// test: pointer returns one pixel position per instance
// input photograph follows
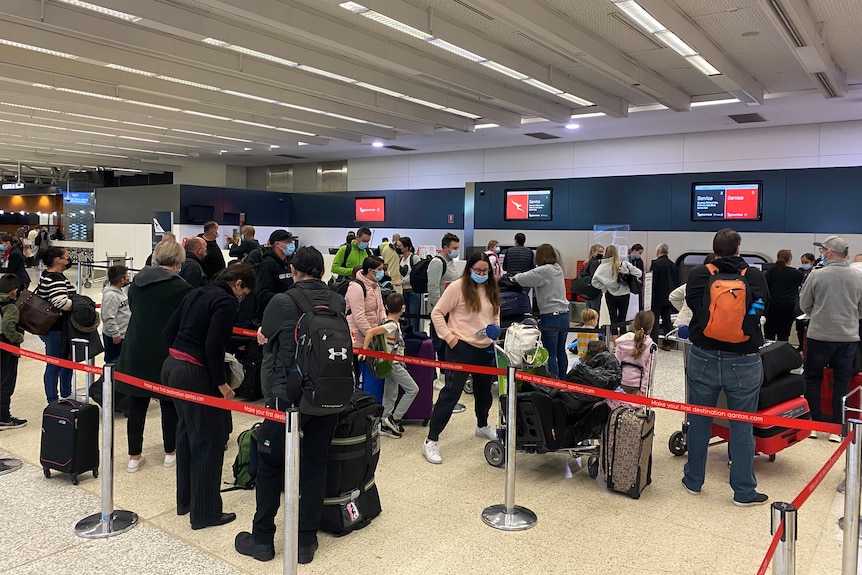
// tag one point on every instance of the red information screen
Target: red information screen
(741, 203)
(370, 209)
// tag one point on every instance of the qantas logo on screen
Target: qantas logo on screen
(516, 207)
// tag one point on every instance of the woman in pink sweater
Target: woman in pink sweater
(471, 302)
(364, 302)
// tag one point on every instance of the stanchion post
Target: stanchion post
(110, 521)
(291, 492)
(784, 562)
(80, 284)
(510, 517)
(850, 550)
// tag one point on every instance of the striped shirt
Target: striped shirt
(57, 289)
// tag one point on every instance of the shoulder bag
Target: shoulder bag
(35, 314)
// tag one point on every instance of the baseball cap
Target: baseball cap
(836, 244)
(281, 236)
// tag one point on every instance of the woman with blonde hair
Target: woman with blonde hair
(610, 278)
(466, 308)
(492, 250)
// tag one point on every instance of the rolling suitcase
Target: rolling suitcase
(770, 439)
(826, 391)
(780, 389)
(351, 500)
(423, 405)
(70, 438)
(626, 451)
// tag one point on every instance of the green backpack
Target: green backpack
(244, 470)
(380, 368)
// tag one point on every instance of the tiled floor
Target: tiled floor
(431, 521)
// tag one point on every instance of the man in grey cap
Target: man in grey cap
(832, 298)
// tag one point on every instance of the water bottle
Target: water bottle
(757, 307)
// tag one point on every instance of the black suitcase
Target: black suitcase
(351, 500)
(70, 438)
(780, 389)
(778, 358)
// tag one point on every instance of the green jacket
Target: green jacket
(9, 324)
(154, 295)
(354, 258)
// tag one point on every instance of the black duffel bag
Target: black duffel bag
(779, 357)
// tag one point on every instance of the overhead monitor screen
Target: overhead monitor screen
(370, 209)
(726, 202)
(533, 205)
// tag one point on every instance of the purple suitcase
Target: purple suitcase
(424, 377)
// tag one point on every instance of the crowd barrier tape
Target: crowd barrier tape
(716, 412)
(803, 497)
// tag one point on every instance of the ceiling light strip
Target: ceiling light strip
(106, 11)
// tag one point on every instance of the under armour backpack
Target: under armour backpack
(419, 274)
(324, 356)
(727, 300)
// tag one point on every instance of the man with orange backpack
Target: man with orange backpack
(727, 299)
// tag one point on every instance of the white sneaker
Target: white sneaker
(135, 464)
(431, 451)
(170, 460)
(834, 438)
(486, 432)
(439, 383)
(812, 435)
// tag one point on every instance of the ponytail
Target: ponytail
(640, 343)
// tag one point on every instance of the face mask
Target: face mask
(477, 278)
(362, 245)
(289, 249)
(378, 275)
(599, 256)
(68, 264)
(637, 256)
(2, 248)
(454, 254)
(399, 251)
(806, 266)
(497, 250)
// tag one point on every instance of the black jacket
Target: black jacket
(273, 277)
(665, 279)
(783, 284)
(698, 280)
(14, 264)
(243, 248)
(192, 271)
(202, 325)
(213, 262)
(602, 372)
(278, 326)
(518, 259)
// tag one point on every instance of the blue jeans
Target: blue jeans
(708, 372)
(595, 303)
(413, 302)
(55, 372)
(840, 355)
(554, 341)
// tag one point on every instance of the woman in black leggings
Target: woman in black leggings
(609, 279)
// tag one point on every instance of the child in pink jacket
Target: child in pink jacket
(632, 350)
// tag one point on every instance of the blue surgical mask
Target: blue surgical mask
(2, 248)
(806, 266)
(454, 254)
(378, 275)
(362, 245)
(477, 278)
(289, 249)
(637, 256)
(497, 250)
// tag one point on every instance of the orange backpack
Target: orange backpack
(729, 299)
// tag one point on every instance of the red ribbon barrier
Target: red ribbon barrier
(802, 498)
(484, 369)
(52, 360)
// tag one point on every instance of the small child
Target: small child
(632, 351)
(590, 319)
(390, 425)
(115, 312)
(11, 334)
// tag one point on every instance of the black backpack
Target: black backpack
(419, 274)
(324, 356)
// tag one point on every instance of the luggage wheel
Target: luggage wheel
(96, 472)
(771, 458)
(593, 466)
(88, 284)
(47, 472)
(495, 455)
(74, 479)
(677, 443)
(468, 387)
(425, 422)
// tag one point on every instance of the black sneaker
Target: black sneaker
(305, 554)
(759, 499)
(388, 431)
(245, 545)
(12, 423)
(392, 424)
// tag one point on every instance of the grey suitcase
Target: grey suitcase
(626, 451)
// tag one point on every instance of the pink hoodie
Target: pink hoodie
(365, 313)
